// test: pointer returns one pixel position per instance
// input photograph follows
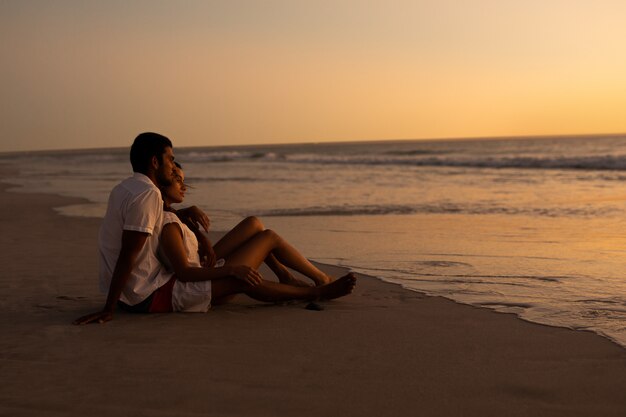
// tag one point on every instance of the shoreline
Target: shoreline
(214, 235)
(384, 350)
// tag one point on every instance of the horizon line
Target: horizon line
(355, 141)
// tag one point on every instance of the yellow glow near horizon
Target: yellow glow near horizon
(214, 73)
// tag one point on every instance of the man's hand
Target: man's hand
(132, 244)
(100, 317)
(194, 216)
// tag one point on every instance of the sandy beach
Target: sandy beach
(382, 351)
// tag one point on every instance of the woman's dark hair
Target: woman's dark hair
(145, 146)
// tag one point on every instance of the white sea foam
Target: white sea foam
(444, 208)
(604, 162)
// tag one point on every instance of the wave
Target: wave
(419, 158)
(197, 180)
(340, 211)
(417, 152)
(442, 208)
(228, 156)
(607, 162)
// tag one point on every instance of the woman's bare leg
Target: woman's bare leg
(241, 234)
(256, 250)
(223, 289)
(282, 273)
(237, 236)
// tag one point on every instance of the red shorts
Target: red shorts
(162, 298)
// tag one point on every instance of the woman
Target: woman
(240, 253)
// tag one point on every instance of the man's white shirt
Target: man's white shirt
(135, 204)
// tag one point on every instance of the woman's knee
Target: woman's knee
(254, 223)
(269, 234)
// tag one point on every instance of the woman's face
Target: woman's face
(175, 193)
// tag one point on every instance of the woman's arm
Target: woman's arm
(192, 217)
(205, 250)
(174, 248)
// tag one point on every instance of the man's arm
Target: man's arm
(132, 244)
(194, 218)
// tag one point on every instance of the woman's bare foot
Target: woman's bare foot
(286, 277)
(323, 281)
(338, 288)
(296, 282)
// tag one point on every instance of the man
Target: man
(129, 234)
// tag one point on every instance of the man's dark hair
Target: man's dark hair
(145, 146)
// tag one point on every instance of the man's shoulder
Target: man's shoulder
(135, 185)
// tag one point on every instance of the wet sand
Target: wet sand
(382, 351)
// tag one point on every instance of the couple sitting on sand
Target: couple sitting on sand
(154, 259)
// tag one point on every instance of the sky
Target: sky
(90, 74)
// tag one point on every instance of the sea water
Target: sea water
(535, 226)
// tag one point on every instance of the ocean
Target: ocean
(530, 226)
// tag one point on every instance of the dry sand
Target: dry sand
(382, 351)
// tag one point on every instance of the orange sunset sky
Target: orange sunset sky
(83, 74)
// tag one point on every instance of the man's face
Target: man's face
(166, 172)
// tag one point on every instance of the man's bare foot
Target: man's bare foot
(338, 288)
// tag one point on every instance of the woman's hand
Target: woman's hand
(247, 274)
